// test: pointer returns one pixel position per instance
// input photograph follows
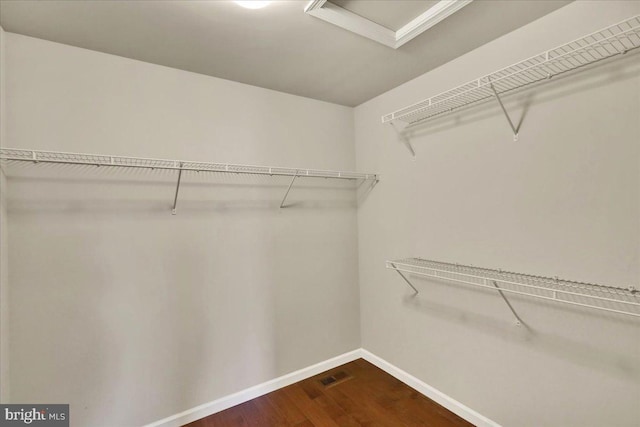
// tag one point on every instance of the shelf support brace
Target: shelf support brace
(504, 110)
(404, 278)
(175, 198)
(404, 140)
(518, 320)
(288, 189)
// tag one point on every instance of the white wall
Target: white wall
(4, 293)
(4, 242)
(131, 314)
(562, 201)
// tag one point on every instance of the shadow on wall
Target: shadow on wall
(364, 189)
(26, 207)
(594, 76)
(536, 332)
(124, 196)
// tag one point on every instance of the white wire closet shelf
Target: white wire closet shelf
(607, 298)
(57, 157)
(36, 156)
(608, 42)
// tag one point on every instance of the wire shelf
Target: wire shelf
(611, 41)
(608, 298)
(35, 156)
(9, 155)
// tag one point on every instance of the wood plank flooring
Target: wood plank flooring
(359, 394)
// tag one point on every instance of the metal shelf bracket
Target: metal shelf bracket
(288, 189)
(404, 140)
(519, 321)
(405, 278)
(175, 198)
(504, 110)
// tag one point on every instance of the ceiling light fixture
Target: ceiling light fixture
(254, 4)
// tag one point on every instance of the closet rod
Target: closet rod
(57, 157)
(614, 40)
(600, 297)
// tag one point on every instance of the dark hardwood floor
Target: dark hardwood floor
(357, 394)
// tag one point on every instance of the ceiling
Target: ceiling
(279, 47)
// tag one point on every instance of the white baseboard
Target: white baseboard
(242, 396)
(436, 395)
(245, 395)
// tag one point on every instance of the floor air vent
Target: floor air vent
(334, 379)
